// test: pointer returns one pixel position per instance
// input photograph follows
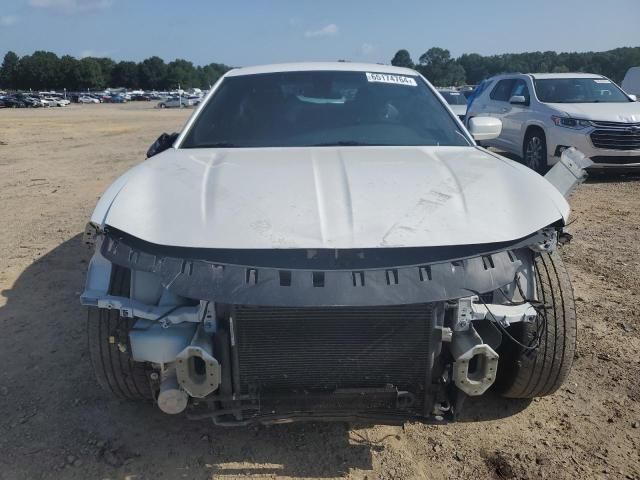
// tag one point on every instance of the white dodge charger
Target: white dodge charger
(327, 241)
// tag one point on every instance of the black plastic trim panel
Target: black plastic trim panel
(268, 286)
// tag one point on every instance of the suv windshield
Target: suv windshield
(578, 90)
(454, 98)
(323, 108)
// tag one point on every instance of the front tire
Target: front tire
(109, 347)
(534, 151)
(529, 373)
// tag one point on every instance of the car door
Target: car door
(514, 116)
(498, 106)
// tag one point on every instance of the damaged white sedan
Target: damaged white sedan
(327, 241)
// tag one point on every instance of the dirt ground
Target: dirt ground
(56, 423)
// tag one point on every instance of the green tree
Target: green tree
(181, 72)
(90, 74)
(440, 69)
(70, 76)
(39, 71)
(152, 73)
(402, 58)
(209, 74)
(106, 67)
(456, 75)
(9, 71)
(125, 74)
(474, 66)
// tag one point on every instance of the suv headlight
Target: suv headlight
(568, 122)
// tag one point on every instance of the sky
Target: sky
(241, 33)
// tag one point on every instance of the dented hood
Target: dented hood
(343, 197)
(628, 112)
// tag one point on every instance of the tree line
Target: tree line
(437, 65)
(47, 71)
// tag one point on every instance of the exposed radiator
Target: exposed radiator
(328, 348)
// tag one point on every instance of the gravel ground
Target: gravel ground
(56, 423)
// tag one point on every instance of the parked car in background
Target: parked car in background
(543, 114)
(191, 100)
(12, 102)
(32, 101)
(115, 99)
(56, 102)
(87, 99)
(456, 100)
(467, 90)
(631, 82)
(45, 101)
(172, 102)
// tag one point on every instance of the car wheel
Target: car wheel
(540, 371)
(109, 347)
(535, 151)
(162, 105)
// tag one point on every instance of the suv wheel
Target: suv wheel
(535, 151)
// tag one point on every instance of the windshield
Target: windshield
(454, 98)
(323, 108)
(579, 90)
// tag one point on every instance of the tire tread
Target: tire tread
(115, 371)
(529, 374)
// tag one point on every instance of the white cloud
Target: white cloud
(71, 6)
(367, 49)
(8, 20)
(93, 53)
(326, 31)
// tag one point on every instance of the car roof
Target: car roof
(321, 66)
(542, 76)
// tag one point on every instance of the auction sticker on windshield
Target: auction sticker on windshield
(386, 78)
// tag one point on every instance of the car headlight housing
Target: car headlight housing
(568, 122)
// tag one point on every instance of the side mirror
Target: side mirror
(164, 142)
(633, 97)
(485, 128)
(518, 100)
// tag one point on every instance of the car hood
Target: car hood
(346, 197)
(607, 112)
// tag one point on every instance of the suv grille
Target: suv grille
(616, 135)
(613, 160)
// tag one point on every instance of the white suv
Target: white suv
(543, 114)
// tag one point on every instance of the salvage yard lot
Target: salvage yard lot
(56, 423)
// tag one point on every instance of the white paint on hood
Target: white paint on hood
(347, 197)
(605, 112)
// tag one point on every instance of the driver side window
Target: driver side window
(502, 90)
(520, 89)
